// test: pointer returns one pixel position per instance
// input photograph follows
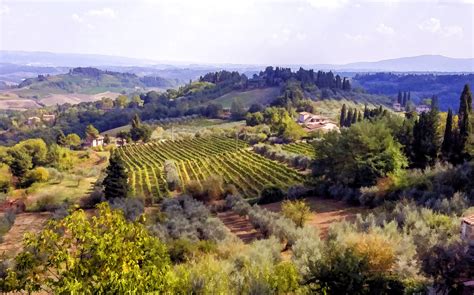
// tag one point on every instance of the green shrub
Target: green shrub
(297, 211)
(46, 203)
(5, 186)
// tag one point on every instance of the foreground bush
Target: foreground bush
(102, 254)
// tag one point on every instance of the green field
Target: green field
(263, 96)
(197, 159)
(189, 126)
(301, 148)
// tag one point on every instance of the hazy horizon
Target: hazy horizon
(242, 32)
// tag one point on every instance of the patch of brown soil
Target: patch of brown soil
(12, 242)
(324, 212)
(239, 226)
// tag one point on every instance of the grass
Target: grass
(75, 184)
(263, 96)
(191, 126)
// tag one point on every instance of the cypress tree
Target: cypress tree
(359, 117)
(404, 99)
(366, 112)
(400, 98)
(342, 120)
(448, 138)
(426, 141)
(348, 121)
(354, 117)
(116, 182)
(409, 96)
(465, 102)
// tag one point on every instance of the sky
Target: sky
(242, 31)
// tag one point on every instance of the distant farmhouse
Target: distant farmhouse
(33, 121)
(311, 122)
(397, 107)
(423, 108)
(49, 118)
(45, 118)
(94, 142)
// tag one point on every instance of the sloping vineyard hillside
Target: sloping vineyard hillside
(199, 158)
(301, 148)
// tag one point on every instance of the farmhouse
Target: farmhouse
(49, 118)
(422, 108)
(312, 122)
(94, 142)
(397, 107)
(467, 229)
(33, 121)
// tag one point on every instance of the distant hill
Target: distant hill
(77, 85)
(90, 81)
(422, 63)
(447, 87)
(49, 59)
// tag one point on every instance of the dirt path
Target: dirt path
(25, 222)
(240, 226)
(324, 212)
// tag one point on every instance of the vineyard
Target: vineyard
(199, 158)
(301, 148)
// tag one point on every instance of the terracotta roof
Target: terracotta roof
(469, 220)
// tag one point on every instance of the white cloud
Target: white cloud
(4, 10)
(104, 12)
(356, 37)
(434, 26)
(327, 3)
(453, 31)
(75, 17)
(385, 30)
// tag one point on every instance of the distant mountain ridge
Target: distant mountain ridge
(421, 63)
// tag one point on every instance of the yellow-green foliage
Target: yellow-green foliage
(38, 174)
(297, 211)
(256, 269)
(102, 254)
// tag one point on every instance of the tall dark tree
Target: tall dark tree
(354, 117)
(342, 119)
(366, 112)
(400, 98)
(116, 182)
(359, 117)
(448, 139)
(463, 141)
(426, 142)
(465, 102)
(348, 120)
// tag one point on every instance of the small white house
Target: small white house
(423, 108)
(94, 142)
(397, 107)
(467, 229)
(33, 120)
(311, 122)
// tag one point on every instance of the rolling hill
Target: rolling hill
(78, 85)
